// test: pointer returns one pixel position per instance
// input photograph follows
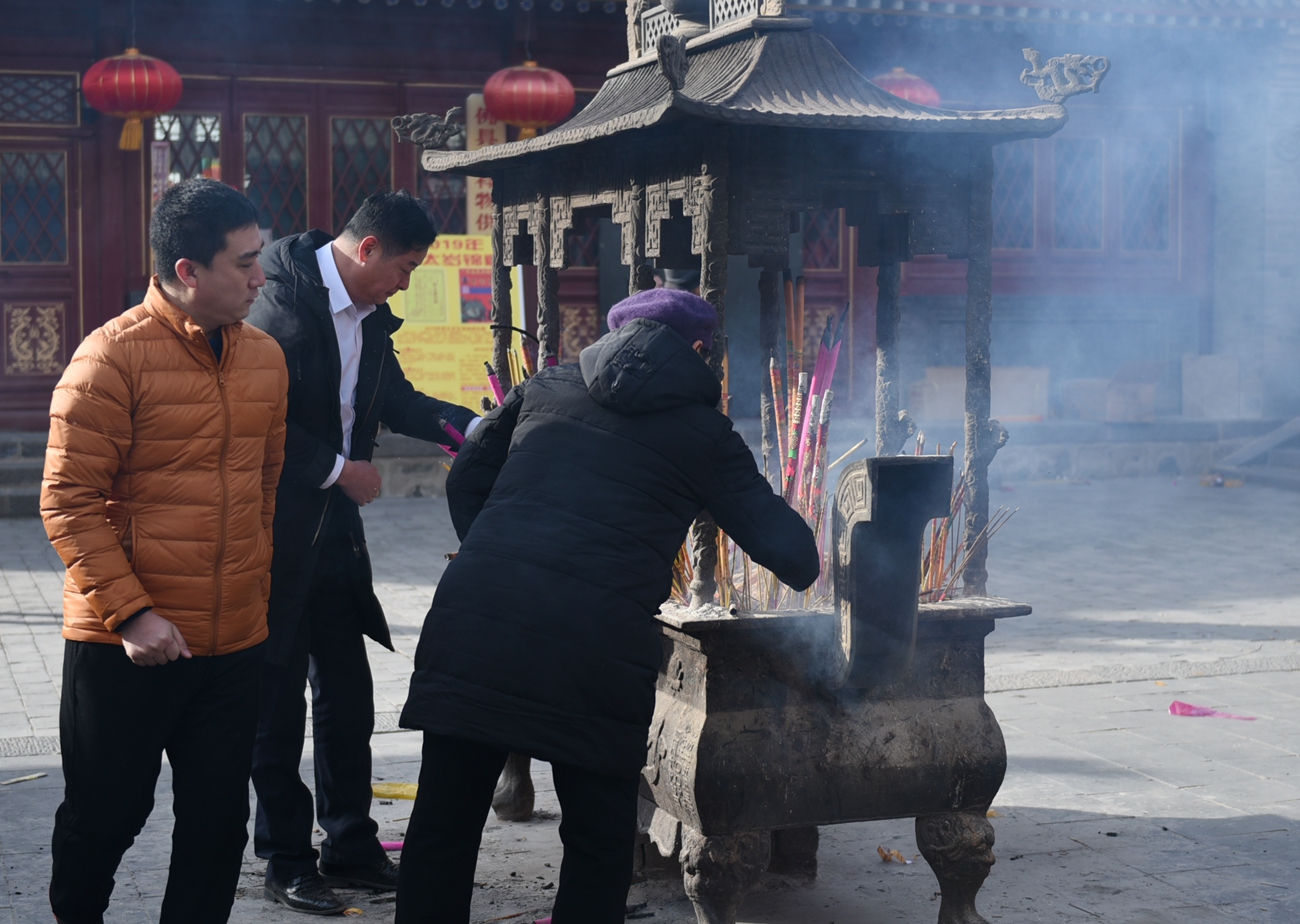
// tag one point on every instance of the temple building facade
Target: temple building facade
(1144, 258)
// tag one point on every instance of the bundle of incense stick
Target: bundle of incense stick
(944, 552)
(801, 408)
(520, 368)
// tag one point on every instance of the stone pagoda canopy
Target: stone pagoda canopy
(757, 71)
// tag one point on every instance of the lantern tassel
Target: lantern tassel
(132, 136)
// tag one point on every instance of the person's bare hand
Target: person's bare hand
(150, 640)
(360, 481)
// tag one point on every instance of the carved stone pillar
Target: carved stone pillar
(959, 848)
(983, 437)
(639, 278)
(548, 285)
(713, 287)
(893, 425)
(718, 871)
(769, 323)
(501, 314)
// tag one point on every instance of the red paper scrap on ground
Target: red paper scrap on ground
(1179, 708)
(391, 845)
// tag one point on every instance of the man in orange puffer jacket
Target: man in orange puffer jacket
(166, 442)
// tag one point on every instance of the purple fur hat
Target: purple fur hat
(690, 316)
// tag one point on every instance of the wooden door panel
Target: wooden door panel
(40, 271)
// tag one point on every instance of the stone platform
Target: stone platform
(1144, 591)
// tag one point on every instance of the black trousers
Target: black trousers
(598, 828)
(330, 652)
(115, 722)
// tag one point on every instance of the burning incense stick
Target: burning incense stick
(796, 423)
(856, 446)
(778, 408)
(805, 448)
(495, 384)
(816, 386)
(818, 479)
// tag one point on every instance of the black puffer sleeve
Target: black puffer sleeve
(479, 462)
(745, 507)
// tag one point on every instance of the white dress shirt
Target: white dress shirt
(347, 327)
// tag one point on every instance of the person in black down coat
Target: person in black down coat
(571, 501)
(326, 303)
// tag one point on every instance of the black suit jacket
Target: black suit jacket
(294, 308)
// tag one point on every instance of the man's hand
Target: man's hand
(150, 640)
(360, 481)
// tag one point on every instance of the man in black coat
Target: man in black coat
(571, 501)
(325, 303)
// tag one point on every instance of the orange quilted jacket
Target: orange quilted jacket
(160, 477)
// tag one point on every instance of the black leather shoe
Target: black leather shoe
(381, 876)
(308, 894)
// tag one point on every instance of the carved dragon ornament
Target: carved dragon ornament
(1063, 77)
(429, 131)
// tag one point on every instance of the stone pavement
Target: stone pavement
(1145, 591)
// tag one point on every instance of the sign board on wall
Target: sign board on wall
(448, 312)
(481, 130)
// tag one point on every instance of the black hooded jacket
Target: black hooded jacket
(294, 308)
(571, 501)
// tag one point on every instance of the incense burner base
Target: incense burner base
(750, 749)
(514, 797)
(959, 848)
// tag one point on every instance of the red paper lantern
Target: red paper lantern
(132, 87)
(528, 96)
(908, 86)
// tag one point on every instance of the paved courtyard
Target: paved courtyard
(1145, 591)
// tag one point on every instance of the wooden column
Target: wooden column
(501, 315)
(983, 437)
(548, 285)
(769, 325)
(713, 288)
(893, 426)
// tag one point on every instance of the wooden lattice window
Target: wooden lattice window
(39, 99)
(1013, 196)
(33, 207)
(195, 142)
(582, 241)
(445, 195)
(1078, 200)
(1146, 195)
(821, 240)
(275, 171)
(362, 156)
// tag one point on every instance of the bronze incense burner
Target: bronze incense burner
(715, 133)
(770, 724)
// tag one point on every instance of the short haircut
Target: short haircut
(191, 221)
(399, 221)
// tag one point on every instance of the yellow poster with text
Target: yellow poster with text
(448, 312)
